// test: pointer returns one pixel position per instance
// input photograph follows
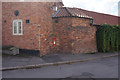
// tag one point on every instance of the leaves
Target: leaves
(108, 38)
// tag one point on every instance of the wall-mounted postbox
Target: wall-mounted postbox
(54, 40)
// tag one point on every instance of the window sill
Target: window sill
(17, 34)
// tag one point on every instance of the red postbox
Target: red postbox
(54, 40)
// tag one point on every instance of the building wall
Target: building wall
(83, 36)
(39, 14)
(75, 35)
(61, 30)
(28, 39)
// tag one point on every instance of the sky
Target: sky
(102, 6)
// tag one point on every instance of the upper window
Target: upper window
(55, 7)
(21, 0)
(27, 21)
(17, 27)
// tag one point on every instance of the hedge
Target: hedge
(108, 38)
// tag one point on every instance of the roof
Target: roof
(70, 12)
(98, 18)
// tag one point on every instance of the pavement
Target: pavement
(100, 69)
(29, 61)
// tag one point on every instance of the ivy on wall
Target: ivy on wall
(108, 38)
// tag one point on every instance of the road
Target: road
(101, 68)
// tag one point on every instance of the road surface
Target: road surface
(101, 68)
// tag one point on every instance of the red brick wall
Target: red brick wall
(26, 40)
(39, 13)
(62, 32)
(83, 35)
(75, 35)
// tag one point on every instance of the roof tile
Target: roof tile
(98, 18)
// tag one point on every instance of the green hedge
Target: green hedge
(108, 38)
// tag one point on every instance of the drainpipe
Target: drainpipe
(39, 36)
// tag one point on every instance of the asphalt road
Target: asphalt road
(101, 68)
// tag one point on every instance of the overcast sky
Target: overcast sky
(102, 6)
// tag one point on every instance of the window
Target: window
(91, 22)
(27, 21)
(55, 7)
(5, 21)
(17, 27)
(56, 21)
(21, 0)
(16, 12)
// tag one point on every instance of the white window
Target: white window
(55, 8)
(21, 0)
(17, 27)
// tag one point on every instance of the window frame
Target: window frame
(17, 21)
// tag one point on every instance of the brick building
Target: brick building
(36, 26)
